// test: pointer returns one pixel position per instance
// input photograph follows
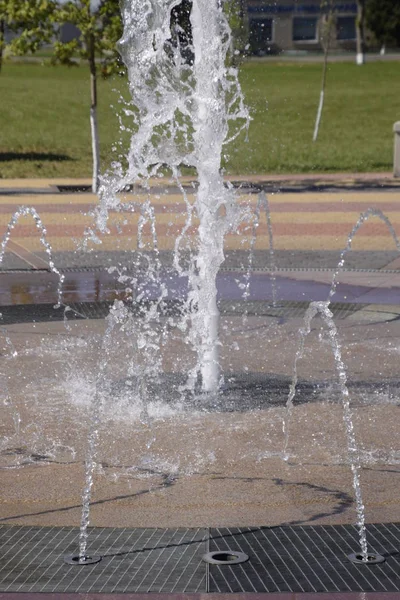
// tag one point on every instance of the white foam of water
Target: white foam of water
(123, 405)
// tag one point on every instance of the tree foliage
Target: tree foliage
(383, 19)
(31, 23)
(328, 22)
(100, 30)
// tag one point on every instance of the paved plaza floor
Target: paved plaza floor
(220, 463)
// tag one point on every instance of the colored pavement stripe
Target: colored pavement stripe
(299, 221)
(174, 229)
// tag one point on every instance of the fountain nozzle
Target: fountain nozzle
(372, 559)
(77, 559)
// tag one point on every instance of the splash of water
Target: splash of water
(24, 211)
(322, 309)
(5, 395)
(182, 114)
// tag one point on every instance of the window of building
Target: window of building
(260, 35)
(346, 28)
(304, 29)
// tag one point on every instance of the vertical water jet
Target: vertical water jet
(183, 103)
(210, 131)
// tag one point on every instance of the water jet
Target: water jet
(160, 388)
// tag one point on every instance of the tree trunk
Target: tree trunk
(319, 114)
(93, 116)
(2, 29)
(360, 30)
(326, 45)
(323, 83)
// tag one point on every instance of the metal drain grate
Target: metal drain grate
(281, 559)
(306, 559)
(134, 560)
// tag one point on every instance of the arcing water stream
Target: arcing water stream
(262, 204)
(363, 218)
(322, 308)
(24, 211)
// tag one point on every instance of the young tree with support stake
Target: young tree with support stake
(360, 32)
(326, 33)
(100, 30)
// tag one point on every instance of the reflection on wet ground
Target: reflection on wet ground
(99, 285)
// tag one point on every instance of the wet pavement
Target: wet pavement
(210, 468)
(40, 287)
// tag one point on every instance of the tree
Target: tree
(100, 29)
(29, 21)
(328, 20)
(360, 32)
(383, 19)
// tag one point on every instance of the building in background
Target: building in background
(295, 25)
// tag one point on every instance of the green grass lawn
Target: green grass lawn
(44, 124)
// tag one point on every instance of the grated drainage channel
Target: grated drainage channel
(306, 559)
(260, 559)
(133, 560)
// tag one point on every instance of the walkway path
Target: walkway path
(302, 221)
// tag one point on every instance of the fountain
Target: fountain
(166, 347)
(183, 112)
(183, 118)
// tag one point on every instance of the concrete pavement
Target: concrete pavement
(207, 467)
(216, 467)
